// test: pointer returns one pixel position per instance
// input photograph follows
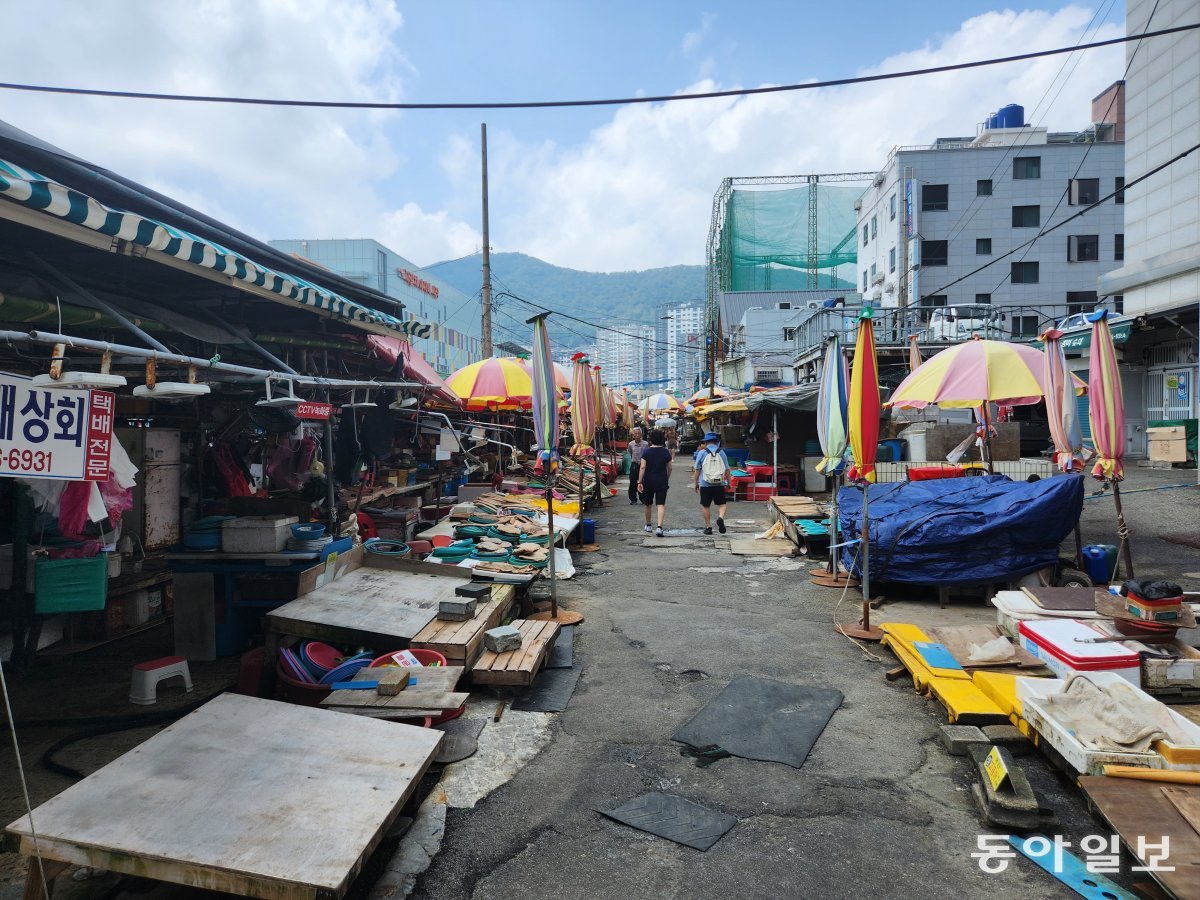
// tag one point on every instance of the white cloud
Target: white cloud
(426, 237)
(693, 40)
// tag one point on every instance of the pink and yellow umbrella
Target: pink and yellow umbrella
(1107, 414)
(862, 422)
(501, 382)
(583, 407)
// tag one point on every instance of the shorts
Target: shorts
(712, 494)
(655, 496)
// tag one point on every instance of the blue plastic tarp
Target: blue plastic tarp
(961, 530)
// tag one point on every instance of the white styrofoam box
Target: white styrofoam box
(1059, 644)
(1014, 607)
(257, 534)
(1032, 693)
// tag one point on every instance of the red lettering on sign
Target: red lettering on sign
(314, 411)
(99, 436)
(414, 280)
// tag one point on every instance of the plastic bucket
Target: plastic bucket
(589, 530)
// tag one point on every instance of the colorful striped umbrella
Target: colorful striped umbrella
(659, 402)
(1061, 409)
(703, 396)
(831, 410)
(626, 410)
(863, 407)
(545, 400)
(501, 382)
(1107, 414)
(914, 354)
(975, 372)
(583, 407)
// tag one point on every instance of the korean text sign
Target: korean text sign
(54, 433)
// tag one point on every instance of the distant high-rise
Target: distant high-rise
(679, 351)
(625, 355)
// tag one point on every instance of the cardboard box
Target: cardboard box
(256, 534)
(1168, 450)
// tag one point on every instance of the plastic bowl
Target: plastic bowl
(322, 656)
(424, 657)
(308, 531)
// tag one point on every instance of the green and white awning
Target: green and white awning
(37, 192)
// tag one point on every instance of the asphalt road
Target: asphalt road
(878, 810)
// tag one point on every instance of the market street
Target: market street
(879, 808)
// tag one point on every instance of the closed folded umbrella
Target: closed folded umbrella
(1107, 414)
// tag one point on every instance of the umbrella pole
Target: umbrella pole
(987, 439)
(1123, 531)
(775, 452)
(553, 543)
(863, 630)
(833, 528)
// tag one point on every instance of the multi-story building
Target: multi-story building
(935, 215)
(453, 341)
(625, 355)
(1160, 275)
(680, 347)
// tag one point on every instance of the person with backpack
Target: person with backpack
(654, 476)
(711, 476)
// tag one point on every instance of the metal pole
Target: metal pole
(987, 439)
(775, 451)
(1123, 531)
(553, 542)
(485, 332)
(833, 526)
(330, 487)
(866, 561)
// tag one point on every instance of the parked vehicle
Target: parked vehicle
(965, 321)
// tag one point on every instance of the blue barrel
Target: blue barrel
(1099, 561)
(589, 531)
(1011, 116)
(992, 121)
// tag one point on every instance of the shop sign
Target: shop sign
(1078, 341)
(53, 432)
(314, 411)
(412, 279)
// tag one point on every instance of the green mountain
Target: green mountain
(605, 298)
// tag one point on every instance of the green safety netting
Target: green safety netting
(766, 239)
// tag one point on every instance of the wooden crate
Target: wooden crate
(517, 667)
(462, 642)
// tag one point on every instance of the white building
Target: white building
(625, 355)
(680, 347)
(1160, 278)
(935, 214)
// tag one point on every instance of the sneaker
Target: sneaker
(720, 525)
(658, 532)
(648, 529)
(708, 531)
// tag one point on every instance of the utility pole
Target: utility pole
(485, 332)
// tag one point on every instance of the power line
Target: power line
(621, 101)
(564, 315)
(1089, 207)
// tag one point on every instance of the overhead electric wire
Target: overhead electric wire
(561, 314)
(616, 101)
(1090, 206)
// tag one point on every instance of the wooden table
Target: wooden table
(432, 695)
(248, 796)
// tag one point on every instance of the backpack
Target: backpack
(713, 468)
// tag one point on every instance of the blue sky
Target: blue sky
(602, 189)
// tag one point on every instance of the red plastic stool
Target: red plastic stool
(147, 675)
(787, 484)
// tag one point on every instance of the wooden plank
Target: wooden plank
(462, 642)
(959, 638)
(1062, 598)
(434, 690)
(1139, 809)
(517, 667)
(762, 548)
(1188, 804)
(281, 772)
(374, 606)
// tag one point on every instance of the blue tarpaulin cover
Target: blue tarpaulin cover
(960, 530)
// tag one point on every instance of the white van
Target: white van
(965, 321)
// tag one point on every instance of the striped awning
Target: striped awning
(36, 192)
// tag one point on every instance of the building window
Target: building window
(928, 303)
(935, 197)
(983, 298)
(892, 206)
(1027, 167)
(874, 270)
(1024, 326)
(1024, 273)
(1119, 186)
(1118, 303)
(874, 226)
(1026, 216)
(983, 246)
(789, 334)
(934, 253)
(1084, 191)
(1118, 247)
(983, 187)
(381, 269)
(1080, 302)
(1083, 247)
(865, 238)
(864, 281)
(892, 260)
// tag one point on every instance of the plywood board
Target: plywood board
(1077, 598)
(959, 638)
(434, 690)
(377, 607)
(752, 547)
(517, 667)
(280, 775)
(462, 642)
(1140, 809)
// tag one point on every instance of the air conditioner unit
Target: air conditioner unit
(889, 287)
(878, 278)
(813, 304)
(858, 205)
(768, 374)
(878, 180)
(876, 295)
(783, 306)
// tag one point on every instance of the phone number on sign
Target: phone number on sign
(26, 460)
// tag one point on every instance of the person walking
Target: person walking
(636, 448)
(710, 468)
(654, 476)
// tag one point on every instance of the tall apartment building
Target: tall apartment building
(454, 339)
(625, 355)
(935, 214)
(679, 329)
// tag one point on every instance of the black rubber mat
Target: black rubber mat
(550, 692)
(755, 718)
(675, 819)
(563, 652)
